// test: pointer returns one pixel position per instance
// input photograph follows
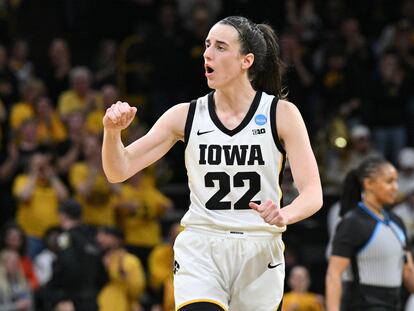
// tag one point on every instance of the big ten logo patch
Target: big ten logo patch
(258, 131)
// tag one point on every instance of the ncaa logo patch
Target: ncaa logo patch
(260, 119)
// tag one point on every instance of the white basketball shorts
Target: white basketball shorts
(239, 271)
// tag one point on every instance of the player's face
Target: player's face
(223, 62)
(384, 185)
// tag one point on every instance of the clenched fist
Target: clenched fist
(119, 116)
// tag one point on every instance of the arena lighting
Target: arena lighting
(340, 142)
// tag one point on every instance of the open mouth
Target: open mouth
(209, 69)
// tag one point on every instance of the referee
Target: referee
(369, 262)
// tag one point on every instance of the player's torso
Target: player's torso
(229, 168)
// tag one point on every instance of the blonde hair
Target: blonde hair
(4, 281)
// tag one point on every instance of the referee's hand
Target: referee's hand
(270, 213)
(119, 116)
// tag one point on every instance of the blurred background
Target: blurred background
(348, 67)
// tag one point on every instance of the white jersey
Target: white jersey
(227, 169)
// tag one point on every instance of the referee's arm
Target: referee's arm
(408, 273)
(333, 281)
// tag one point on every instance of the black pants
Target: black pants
(358, 297)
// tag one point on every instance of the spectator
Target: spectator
(25, 109)
(56, 73)
(361, 146)
(356, 47)
(305, 21)
(390, 96)
(50, 129)
(300, 298)
(169, 32)
(299, 76)
(19, 62)
(201, 19)
(15, 293)
(406, 170)
(69, 151)
(8, 81)
(140, 207)
(43, 262)
(77, 272)
(80, 96)
(26, 144)
(64, 305)
(8, 169)
(13, 238)
(126, 282)
(341, 93)
(38, 192)
(186, 10)
(93, 191)
(110, 94)
(405, 210)
(160, 261)
(105, 64)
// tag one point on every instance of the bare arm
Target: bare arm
(58, 186)
(408, 273)
(64, 162)
(119, 162)
(293, 134)
(333, 282)
(26, 193)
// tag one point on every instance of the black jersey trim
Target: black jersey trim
(274, 126)
(189, 121)
(249, 115)
(201, 304)
(281, 172)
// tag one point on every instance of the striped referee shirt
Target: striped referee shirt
(375, 246)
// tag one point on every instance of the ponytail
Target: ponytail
(260, 40)
(351, 192)
(270, 79)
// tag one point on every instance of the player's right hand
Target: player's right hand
(119, 116)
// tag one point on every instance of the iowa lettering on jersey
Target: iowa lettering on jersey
(230, 155)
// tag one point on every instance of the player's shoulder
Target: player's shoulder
(180, 107)
(177, 112)
(286, 107)
(287, 117)
(184, 107)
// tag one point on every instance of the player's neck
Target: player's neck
(234, 98)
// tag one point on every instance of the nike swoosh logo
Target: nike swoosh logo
(201, 133)
(271, 267)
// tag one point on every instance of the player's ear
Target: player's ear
(247, 60)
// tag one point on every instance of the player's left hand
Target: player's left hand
(271, 213)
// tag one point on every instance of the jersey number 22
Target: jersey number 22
(215, 203)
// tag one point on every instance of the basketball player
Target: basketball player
(237, 138)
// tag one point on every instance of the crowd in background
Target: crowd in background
(348, 68)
